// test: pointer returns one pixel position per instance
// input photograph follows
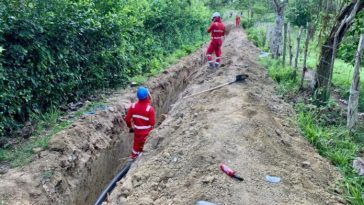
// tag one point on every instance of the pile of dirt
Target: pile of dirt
(244, 125)
(82, 159)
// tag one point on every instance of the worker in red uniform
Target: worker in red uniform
(140, 118)
(237, 20)
(217, 30)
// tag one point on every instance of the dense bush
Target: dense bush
(247, 23)
(299, 12)
(58, 51)
(349, 45)
(257, 36)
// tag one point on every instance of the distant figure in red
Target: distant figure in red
(141, 120)
(217, 30)
(237, 21)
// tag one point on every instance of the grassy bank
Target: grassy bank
(343, 72)
(325, 128)
(48, 124)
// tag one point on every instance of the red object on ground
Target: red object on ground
(230, 172)
(141, 118)
(217, 30)
(227, 170)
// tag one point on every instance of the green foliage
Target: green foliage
(48, 124)
(325, 128)
(246, 23)
(285, 77)
(299, 13)
(58, 51)
(217, 4)
(335, 143)
(349, 45)
(257, 36)
(342, 77)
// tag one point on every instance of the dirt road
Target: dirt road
(244, 125)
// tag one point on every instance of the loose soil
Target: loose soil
(82, 159)
(243, 125)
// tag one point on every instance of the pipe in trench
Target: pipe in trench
(101, 198)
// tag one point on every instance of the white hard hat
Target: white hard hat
(216, 14)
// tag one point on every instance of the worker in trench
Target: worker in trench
(140, 118)
(217, 30)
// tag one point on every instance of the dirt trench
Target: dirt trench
(244, 125)
(82, 159)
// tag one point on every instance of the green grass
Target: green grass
(325, 128)
(258, 36)
(285, 76)
(337, 144)
(343, 72)
(47, 125)
(342, 77)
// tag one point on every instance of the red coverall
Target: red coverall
(141, 114)
(217, 30)
(237, 21)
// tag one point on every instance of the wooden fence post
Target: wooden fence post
(304, 69)
(352, 115)
(284, 44)
(290, 44)
(298, 48)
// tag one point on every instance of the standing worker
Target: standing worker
(141, 120)
(217, 30)
(237, 21)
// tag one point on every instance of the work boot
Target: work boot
(211, 65)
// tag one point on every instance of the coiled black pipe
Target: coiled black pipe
(112, 184)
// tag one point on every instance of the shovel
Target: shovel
(238, 78)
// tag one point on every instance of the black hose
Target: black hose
(112, 184)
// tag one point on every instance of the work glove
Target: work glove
(118, 120)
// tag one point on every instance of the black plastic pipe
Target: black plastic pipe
(112, 184)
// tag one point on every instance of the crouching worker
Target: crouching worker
(140, 118)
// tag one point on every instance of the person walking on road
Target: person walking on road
(140, 118)
(217, 30)
(237, 21)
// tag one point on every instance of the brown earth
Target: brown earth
(82, 159)
(244, 125)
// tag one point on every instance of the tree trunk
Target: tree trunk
(325, 66)
(276, 41)
(284, 44)
(324, 22)
(298, 48)
(352, 115)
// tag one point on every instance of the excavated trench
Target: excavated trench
(244, 125)
(83, 159)
(165, 90)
